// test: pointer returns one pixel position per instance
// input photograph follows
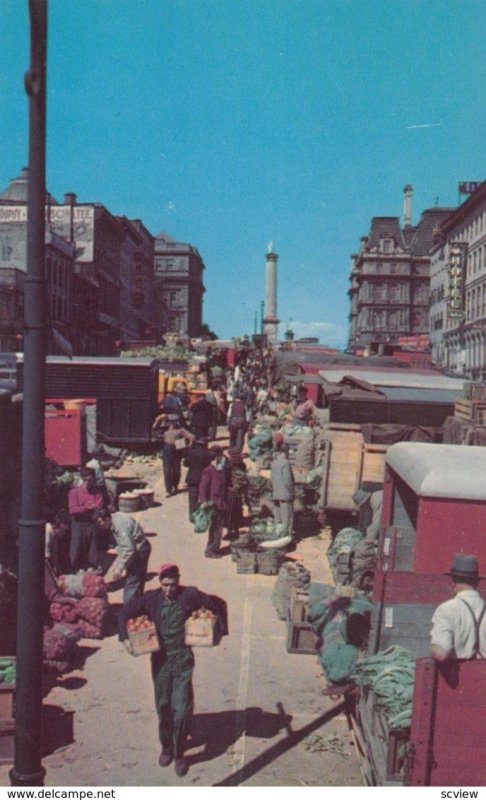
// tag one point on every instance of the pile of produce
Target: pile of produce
(59, 641)
(264, 528)
(7, 671)
(258, 487)
(261, 443)
(92, 613)
(63, 609)
(141, 623)
(342, 624)
(82, 584)
(390, 674)
(202, 614)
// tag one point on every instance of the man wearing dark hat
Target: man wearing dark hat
(172, 666)
(459, 625)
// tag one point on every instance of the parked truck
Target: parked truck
(434, 505)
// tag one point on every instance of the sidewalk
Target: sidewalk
(260, 718)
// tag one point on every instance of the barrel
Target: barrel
(146, 497)
(128, 503)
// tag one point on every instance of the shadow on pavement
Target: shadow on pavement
(57, 728)
(282, 746)
(217, 732)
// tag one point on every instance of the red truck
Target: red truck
(434, 505)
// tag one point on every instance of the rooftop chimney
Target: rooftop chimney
(407, 205)
(70, 199)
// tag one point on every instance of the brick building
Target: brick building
(179, 271)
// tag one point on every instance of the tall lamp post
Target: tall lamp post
(27, 769)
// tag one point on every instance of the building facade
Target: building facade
(179, 271)
(99, 270)
(13, 269)
(142, 314)
(390, 282)
(458, 289)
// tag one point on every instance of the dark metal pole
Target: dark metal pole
(27, 769)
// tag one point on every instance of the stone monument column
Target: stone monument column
(270, 320)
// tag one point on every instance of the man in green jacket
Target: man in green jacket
(172, 666)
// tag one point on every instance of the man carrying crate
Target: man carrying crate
(172, 666)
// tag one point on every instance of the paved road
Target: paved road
(260, 718)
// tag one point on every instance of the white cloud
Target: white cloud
(327, 332)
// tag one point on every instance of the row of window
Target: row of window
(476, 303)
(476, 260)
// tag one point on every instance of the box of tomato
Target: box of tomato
(142, 636)
(201, 629)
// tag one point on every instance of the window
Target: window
(387, 245)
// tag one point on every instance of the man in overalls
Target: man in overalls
(172, 666)
(459, 625)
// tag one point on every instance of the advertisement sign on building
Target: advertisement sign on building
(468, 187)
(454, 300)
(79, 228)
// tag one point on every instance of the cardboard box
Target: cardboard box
(144, 641)
(200, 632)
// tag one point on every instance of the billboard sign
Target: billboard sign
(79, 228)
(468, 187)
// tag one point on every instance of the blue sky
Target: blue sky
(230, 123)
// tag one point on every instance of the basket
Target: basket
(200, 632)
(144, 641)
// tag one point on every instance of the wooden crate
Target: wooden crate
(300, 638)
(200, 632)
(268, 562)
(144, 641)
(246, 564)
(299, 605)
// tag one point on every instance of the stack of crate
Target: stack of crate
(7, 718)
(471, 407)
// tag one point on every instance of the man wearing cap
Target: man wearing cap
(459, 625)
(172, 666)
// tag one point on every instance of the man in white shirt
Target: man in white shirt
(459, 625)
